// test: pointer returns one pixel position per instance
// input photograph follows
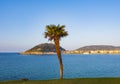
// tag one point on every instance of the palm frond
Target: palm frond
(55, 30)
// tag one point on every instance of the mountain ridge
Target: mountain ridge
(99, 47)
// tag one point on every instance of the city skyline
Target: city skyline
(88, 22)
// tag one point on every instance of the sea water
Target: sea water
(14, 66)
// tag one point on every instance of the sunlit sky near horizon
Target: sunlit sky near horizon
(88, 22)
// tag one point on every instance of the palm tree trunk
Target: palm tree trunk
(57, 46)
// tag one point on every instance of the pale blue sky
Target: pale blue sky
(88, 22)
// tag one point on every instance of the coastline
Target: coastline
(75, 52)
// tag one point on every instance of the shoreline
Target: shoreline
(103, 80)
(83, 53)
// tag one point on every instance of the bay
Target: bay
(14, 66)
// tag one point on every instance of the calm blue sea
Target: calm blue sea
(14, 66)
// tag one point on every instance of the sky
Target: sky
(88, 22)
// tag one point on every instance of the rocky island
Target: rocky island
(45, 48)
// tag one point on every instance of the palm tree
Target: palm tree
(55, 33)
